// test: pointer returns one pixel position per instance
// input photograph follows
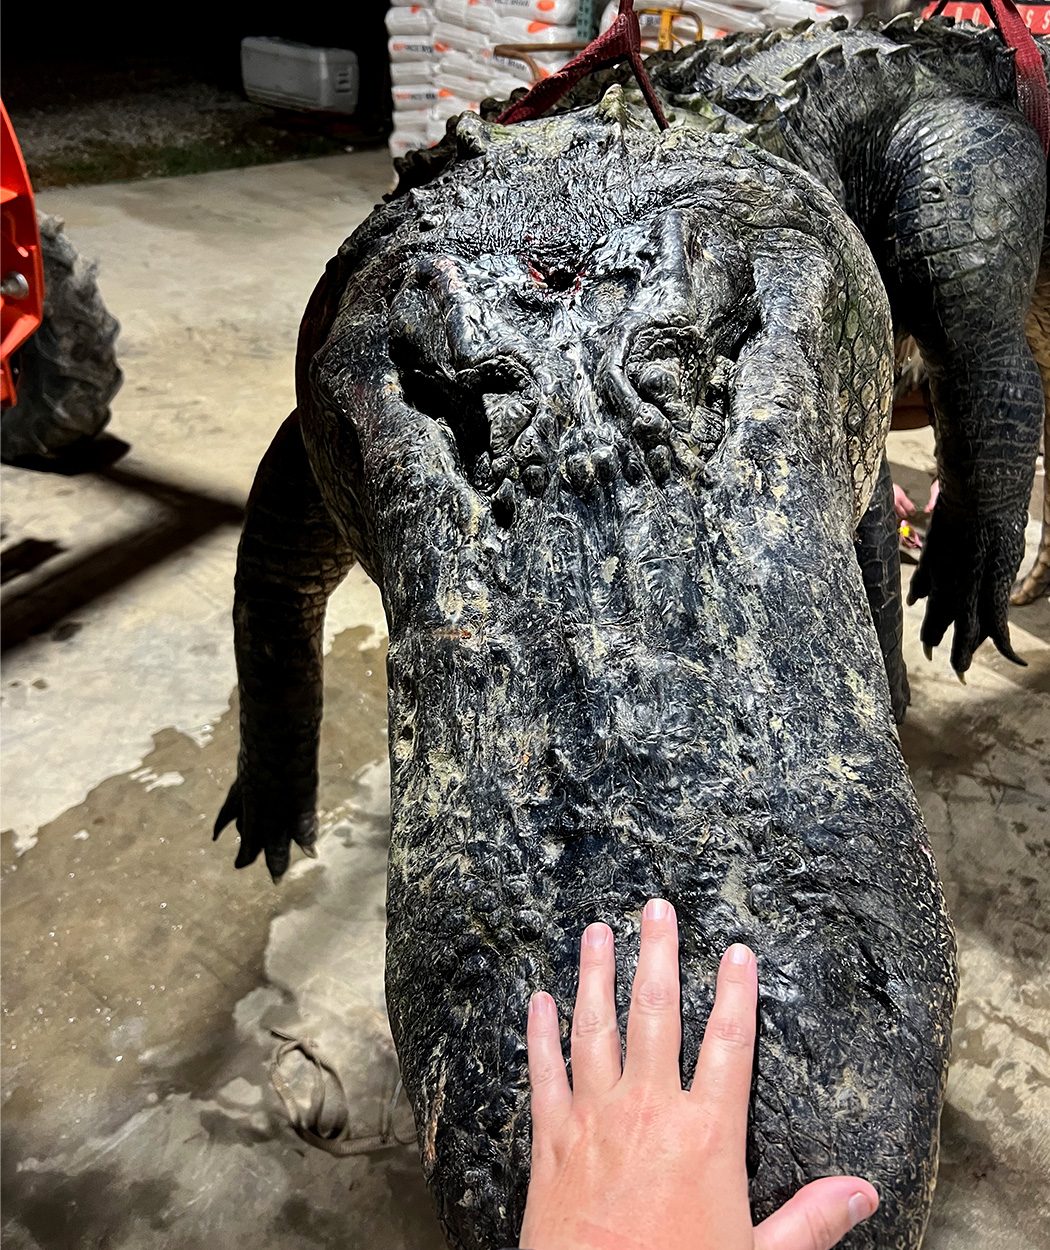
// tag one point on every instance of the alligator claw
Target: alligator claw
(966, 573)
(230, 810)
(268, 828)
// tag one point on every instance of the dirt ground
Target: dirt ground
(80, 122)
(146, 982)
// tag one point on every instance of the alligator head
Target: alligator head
(600, 408)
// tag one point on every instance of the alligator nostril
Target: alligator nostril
(562, 279)
(503, 467)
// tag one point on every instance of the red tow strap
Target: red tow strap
(1032, 92)
(622, 39)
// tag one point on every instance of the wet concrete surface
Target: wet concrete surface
(145, 979)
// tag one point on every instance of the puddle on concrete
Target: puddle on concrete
(142, 976)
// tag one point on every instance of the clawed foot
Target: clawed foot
(966, 572)
(265, 824)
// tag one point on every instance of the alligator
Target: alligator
(577, 397)
(915, 128)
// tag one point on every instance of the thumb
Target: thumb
(819, 1215)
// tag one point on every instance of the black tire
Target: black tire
(67, 371)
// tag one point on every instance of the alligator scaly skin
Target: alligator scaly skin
(914, 127)
(578, 399)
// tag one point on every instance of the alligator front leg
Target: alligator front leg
(291, 557)
(962, 248)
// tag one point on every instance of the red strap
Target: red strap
(622, 39)
(1032, 91)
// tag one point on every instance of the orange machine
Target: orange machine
(21, 262)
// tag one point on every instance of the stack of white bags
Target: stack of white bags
(723, 17)
(441, 61)
(441, 51)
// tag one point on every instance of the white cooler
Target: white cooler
(297, 76)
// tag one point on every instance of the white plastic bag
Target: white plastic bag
(547, 61)
(717, 19)
(788, 12)
(414, 96)
(402, 73)
(559, 12)
(416, 19)
(473, 13)
(467, 88)
(450, 103)
(411, 48)
(403, 141)
(466, 64)
(527, 30)
(501, 85)
(453, 35)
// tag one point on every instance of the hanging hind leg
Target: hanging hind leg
(291, 557)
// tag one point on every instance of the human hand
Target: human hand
(626, 1159)
(902, 505)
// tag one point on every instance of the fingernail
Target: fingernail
(738, 953)
(657, 909)
(860, 1207)
(596, 935)
(541, 1004)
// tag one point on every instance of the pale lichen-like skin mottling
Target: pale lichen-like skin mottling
(579, 403)
(915, 128)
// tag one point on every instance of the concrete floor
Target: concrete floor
(143, 977)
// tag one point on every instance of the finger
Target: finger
(902, 505)
(654, 1025)
(723, 1071)
(819, 1215)
(935, 491)
(551, 1096)
(595, 1034)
